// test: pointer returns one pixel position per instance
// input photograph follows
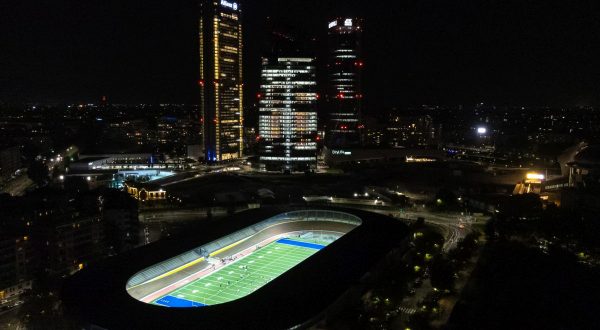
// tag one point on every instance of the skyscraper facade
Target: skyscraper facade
(288, 115)
(344, 91)
(221, 84)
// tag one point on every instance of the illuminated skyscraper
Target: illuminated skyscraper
(288, 115)
(344, 92)
(221, 84)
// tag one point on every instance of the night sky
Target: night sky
(416, 52)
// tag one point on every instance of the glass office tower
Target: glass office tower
(344, 90)
(288, 115)
(221, 84)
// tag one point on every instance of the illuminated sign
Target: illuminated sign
(348, 22)
(228, 4)
(341, 152)
(333, 24)
(535, 176)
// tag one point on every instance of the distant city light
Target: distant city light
(481, 130)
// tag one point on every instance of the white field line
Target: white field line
(198, 275)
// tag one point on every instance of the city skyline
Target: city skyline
(509, 53)
(239, 164)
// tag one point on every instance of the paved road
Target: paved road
(454, 226)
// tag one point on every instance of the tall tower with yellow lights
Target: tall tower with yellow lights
(221, 84)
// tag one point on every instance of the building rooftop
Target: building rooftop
(98, 293)
(588, 156)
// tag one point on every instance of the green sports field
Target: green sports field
(242, 277)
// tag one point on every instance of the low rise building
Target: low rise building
(17, 262)
(145, 191)
(363, 156)
(10, 161)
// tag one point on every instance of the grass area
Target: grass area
(244, 276)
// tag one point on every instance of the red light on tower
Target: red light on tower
(317, 96)
(258, 95)
(201, 83)
(340, 96)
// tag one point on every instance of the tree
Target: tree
(121, 222)
(428, 241)
(527, 206)
(445, 199)
(56, 172)
(442, 273)
(76, 185)
(419, 320)
(490, 229)
(38, 173)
